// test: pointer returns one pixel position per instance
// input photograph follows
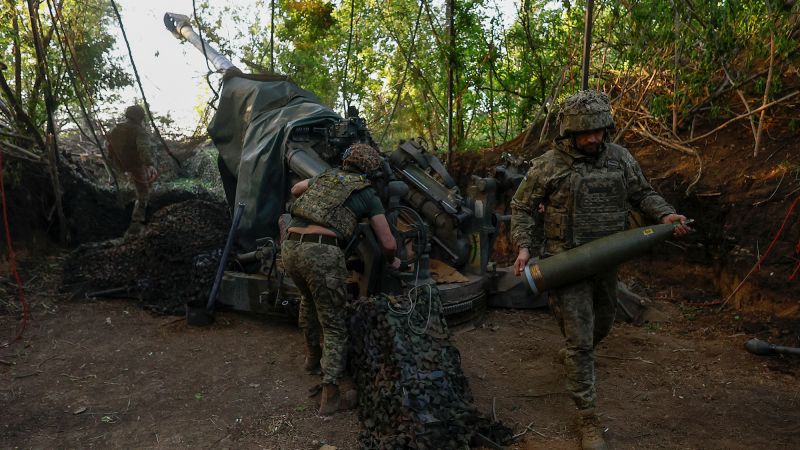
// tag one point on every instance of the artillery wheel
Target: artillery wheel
(464, 302)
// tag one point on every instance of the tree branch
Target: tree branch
(741, 116)
(21, 116)
(766, 90)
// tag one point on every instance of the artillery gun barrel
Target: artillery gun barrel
(304, 163)
(594, 257)
(179, 26)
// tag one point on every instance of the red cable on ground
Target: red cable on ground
(780, 231)
(764, 256)
(794, 274)
(797, 267)
(12, 258)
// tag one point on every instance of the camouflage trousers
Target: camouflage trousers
(319, 272)
(142, 197)
(585, 313)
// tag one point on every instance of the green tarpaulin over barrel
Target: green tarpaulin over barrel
(254, 118)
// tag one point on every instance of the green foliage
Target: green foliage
(82, 35)
(506, 77)
(393, 62)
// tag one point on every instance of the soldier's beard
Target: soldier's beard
(589, 149)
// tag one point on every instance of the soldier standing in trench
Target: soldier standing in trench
(324, 217)
(129, 148)
(586, 186)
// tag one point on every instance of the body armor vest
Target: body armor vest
(323, 203)
(599, 206)
(590, 202)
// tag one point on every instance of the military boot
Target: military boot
(135, 229)
(330, 399)
(313, 356)
(590, 430)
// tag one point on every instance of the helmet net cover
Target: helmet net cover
(135, 112)
(584, 111)
(361, 157)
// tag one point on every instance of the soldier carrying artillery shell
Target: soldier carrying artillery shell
(587, 186)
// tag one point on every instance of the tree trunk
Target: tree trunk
(52, 142)
(21, 117)
(676, 29)
(17, 51)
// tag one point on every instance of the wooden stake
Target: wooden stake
(744, 102)
(766, 92)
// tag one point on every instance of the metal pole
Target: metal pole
(587, 43)
(451, 42)
(272, 36)
(212, 296)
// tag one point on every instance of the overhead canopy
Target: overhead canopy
(254, 118)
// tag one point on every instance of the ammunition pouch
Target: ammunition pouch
(556, 224)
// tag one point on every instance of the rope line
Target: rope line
(12, 258)
(345, 101)
(205, 56)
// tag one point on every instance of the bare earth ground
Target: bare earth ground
(110, 375)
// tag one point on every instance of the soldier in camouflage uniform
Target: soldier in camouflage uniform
(585, 187)
(129, 149)
(324, 218)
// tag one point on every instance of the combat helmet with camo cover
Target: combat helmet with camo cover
(361, 158)
(584, 111)
(135, 113)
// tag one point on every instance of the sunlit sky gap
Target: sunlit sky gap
(173, 75)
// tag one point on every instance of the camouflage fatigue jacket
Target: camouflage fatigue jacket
(577, 211)
(129, 147)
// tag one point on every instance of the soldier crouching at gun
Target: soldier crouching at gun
(324, 218)
(586, 186)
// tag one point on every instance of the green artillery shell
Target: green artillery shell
(594, 257)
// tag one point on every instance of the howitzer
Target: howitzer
(270, 134)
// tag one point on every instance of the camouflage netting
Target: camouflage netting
(202, 171)
(412, 393)
(171, 263)
(95, 211)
